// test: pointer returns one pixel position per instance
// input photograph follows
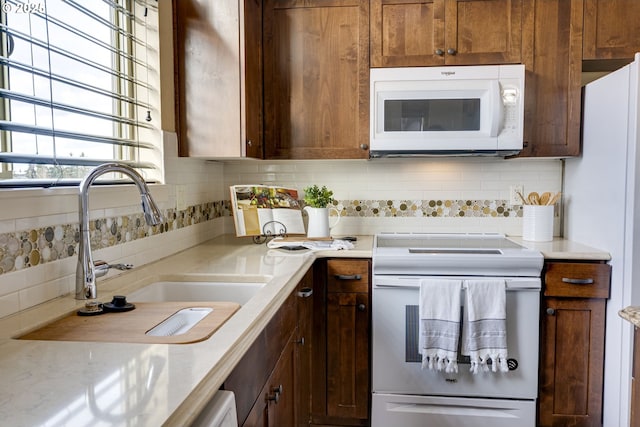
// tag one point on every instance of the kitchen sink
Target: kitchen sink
(173, 309)
(188, 289)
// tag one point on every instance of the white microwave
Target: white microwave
(470, 110)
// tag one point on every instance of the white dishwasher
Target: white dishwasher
(219, 412)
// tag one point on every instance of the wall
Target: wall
(38, 227)
(419, 195)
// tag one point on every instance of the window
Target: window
(77, 89)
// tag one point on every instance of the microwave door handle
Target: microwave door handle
(498, 108)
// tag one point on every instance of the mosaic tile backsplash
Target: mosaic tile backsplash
(33, 247)
(29, 248)
(427, 208)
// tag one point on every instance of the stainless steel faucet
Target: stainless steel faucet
(87, 270)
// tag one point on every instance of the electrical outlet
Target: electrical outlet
(514, 198)
(180, 198)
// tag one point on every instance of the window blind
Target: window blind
(77, 81)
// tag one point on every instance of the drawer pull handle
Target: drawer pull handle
(577, 281)
(348, 277)
(305, 292)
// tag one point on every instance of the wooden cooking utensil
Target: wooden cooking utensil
(524, 201)
(554, 199)
(545, 197)
(533, 198)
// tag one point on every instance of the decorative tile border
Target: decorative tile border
(29, 248)
(428, 208)
(33, 247)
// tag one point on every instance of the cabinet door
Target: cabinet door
(611, 29)
(348, 355)
(276, 405)
(572, 362)
(281, 397)
(553, 63)
(408, 33)
(451, 32)
(316, 66)
(304, 348)
(208, 83)
(483, 32)
(252, 113)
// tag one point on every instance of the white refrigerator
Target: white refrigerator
(602, 210)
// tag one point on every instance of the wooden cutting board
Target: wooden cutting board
(131, 326)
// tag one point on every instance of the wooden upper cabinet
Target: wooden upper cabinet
(611, 29)
(406, 33)
(553, 67)
(218, 93)
(445, 32)
(316, 73)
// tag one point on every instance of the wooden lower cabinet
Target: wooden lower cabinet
(276, 403)
(341, 360)
(572, 344)
(272, 381)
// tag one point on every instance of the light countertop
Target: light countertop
(112, 384)
(632, 314)
(563, 249)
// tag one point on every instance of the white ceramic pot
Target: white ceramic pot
(318, 226)
(537, 223)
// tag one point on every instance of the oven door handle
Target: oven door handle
(417, 286)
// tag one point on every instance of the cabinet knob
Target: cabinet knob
(300, 341)
(364, 146)
(275, 397)
(439, 52)
(305, 292)
(451, 51)
(362, 307)
(249, 143)
(551, 311)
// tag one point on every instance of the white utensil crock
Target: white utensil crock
(537, 223)
(318, 225)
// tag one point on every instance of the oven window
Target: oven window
(419, 115)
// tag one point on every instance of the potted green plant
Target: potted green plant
(318, 201)
(317, 197)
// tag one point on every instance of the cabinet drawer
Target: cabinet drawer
(564, 279)
(347, 275)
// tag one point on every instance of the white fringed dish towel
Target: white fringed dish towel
(485, 330)
(439, 325)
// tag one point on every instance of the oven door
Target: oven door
(396, 362)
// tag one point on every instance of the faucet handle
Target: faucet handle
(101, 268)
(121, 266)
